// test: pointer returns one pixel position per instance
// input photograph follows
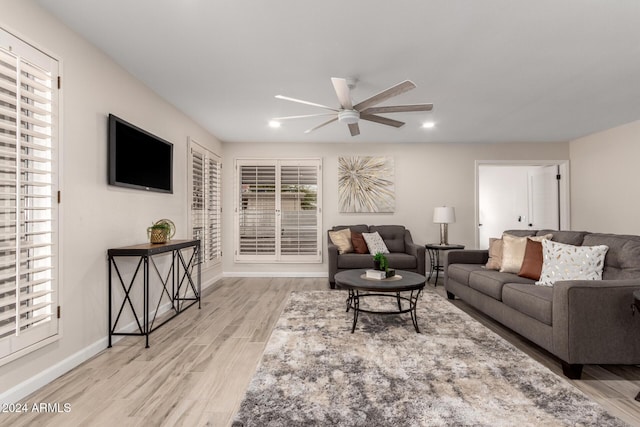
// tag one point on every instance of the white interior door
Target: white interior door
(544, 210)
(516, 196)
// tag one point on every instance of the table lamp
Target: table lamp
(444, 215)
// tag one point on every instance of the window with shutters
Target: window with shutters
(278, 210)
(28, 198)
(206, 211)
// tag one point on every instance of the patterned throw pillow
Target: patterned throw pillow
(513, 251)
(569, 262)
(375, 243)
(342, 239)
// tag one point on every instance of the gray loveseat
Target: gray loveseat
(579, 321)
(404, 254)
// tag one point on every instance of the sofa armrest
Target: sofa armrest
(332, 253)
(465, 256)
(593, 322)
(417, 251)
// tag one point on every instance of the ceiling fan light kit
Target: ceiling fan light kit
(350, 114)
(349, 117)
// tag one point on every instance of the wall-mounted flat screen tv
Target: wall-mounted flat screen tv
(138, 159)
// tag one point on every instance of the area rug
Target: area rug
(455, 372)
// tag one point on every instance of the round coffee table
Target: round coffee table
(359, 286)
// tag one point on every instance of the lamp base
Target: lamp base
(444, 234)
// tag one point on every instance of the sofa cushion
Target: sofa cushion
(495, 254)
(521, 233)
(359, 228)
(393, 236)
(401, 261)
(623, 257)
(359, 245)
(342, 239)
(348, 261)
(513, 248)
(570, 262)
(534, 301)
(375, 243)
(490, 282)
(532, 262)
(569, 237)
(460, 272)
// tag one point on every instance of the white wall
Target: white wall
(95, 216)
(605, 175)
(427, 175)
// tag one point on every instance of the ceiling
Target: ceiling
(495, 70)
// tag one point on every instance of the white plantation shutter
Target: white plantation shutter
(28, 190)
(205, 202)
(278, 210)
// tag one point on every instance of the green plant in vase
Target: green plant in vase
(380, 261)
(161, 231)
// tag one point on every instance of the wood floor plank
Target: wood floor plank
(200, 363)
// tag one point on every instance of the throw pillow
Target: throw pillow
(359, 245)
(532, 262)
(375, 243)
(513, 251)
(569, 262)
(342, 239)
(495, 254)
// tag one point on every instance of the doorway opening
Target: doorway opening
(520, 195)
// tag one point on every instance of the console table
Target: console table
(179, 280)
(434, 249)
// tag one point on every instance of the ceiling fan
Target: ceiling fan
(350, 114)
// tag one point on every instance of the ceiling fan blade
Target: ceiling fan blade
(286, 98)
(303, 116)
(343, 92)
(354, 129)
(322, 124)
(381, 120)
(385, 94)
(398, 109)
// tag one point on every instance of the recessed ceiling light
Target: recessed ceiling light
(274, 124)
(428, 125)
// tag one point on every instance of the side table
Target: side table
(434, 249)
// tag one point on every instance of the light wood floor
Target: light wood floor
(200, 363)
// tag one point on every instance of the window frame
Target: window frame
(16, 345)
(210, 191)
(277, 256)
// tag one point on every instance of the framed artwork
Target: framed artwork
(366, 184)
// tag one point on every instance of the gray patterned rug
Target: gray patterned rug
(456, 372)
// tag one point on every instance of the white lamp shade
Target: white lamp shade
(444, 215)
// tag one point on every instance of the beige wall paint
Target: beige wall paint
(426, 175)
(95, 216)
(604, 179)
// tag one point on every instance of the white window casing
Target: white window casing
(278, 210)
(205, 173)
(29, 114)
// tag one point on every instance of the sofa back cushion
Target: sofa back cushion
(567, 237)
(393, 236)
(623, 257)
(521, 233)
(359, 228)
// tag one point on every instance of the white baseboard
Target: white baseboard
(274, 274)
(25, 388)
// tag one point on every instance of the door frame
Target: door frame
(563, 190)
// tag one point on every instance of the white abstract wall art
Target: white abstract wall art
(366, 184)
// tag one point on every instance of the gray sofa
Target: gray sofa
(579, 321)
(404, 254)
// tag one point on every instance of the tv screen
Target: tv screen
(138, 159)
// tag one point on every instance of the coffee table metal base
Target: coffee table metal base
(353, 303)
